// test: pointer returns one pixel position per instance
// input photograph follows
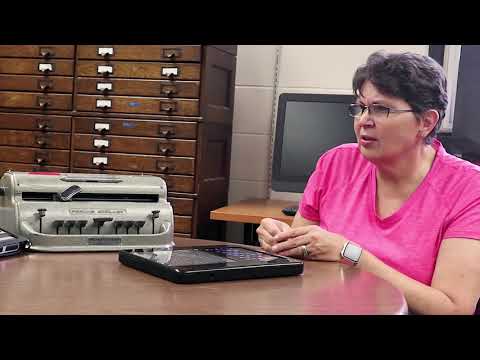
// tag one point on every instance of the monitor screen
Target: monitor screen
(307, 126)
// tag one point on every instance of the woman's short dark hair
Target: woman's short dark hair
(415, 78)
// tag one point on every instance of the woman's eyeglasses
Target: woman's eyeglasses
(378, 111)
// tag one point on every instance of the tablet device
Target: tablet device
(198, 264)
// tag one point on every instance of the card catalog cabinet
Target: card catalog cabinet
(163, 110)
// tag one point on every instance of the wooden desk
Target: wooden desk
(97, 283)
(251, 212)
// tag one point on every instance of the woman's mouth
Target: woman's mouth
(366, 140)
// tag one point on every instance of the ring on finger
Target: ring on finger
(304, 249)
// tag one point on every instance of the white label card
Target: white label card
(105, 51)
(169, 71)
(102, 69)
(45, 67)
(99, 143)
(104, 86)
(100, 160)
(101, 126)
(104, 103)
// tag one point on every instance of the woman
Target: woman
(394, 204)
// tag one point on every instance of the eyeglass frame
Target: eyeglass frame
(364, 107)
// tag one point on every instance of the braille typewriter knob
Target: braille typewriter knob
(100, 221)
(116, 225)
(155, 215)
(69, 224)
(41, 213)
(128, 225)
(138, 225)
(81, 224)
(58, 224)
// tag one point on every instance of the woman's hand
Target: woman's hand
(267, 230)
(309, 242)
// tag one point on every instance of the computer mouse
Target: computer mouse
(290, 210)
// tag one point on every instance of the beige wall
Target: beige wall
(324, 69)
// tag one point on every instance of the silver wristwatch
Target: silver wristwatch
(351, 253)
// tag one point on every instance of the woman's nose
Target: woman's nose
(365, 119)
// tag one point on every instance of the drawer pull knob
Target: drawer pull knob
(41, 161)
(42, 126)
(168, 107)
(166, 133)
(45, 85)
(169, 92)
(165, 166)
(41, 142)
(165, 150)
(172, 53)
(105, 51)
(43, 102)
(46, 52)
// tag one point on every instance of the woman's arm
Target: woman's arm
(455, 287)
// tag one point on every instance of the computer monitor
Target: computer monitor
(307, 126)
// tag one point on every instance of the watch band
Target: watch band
(351, 253)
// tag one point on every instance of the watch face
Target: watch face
(352, 252)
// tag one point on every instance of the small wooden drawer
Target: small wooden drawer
(157, 88)
(57, 84)
(34, 156)
(138, 105)
(5, 166)
(138, 70)
(175, 183)
(136, 145)
(36, 67)
(130, 127)
(38, 139)
(37, 101)
(182, 224)
(45, 123)
(181, 206)
(178, 183)
(38, 51)
(141, 52)
(143, 163)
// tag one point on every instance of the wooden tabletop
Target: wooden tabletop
(97, 283)
(252, 211)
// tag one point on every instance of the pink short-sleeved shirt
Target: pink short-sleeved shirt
(340, 196)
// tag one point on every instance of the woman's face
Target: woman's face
(385, 138)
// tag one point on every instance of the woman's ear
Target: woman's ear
(430, 118)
